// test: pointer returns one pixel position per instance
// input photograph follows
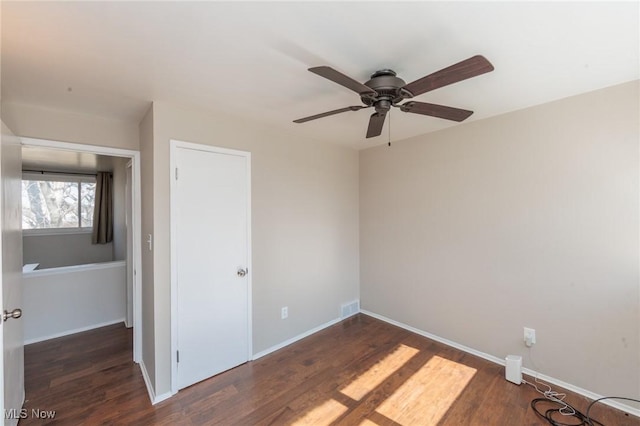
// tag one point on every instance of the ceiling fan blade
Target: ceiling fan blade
(343, 80)
(328, 113)
(375, 124)
(440, 111)
(468, 68)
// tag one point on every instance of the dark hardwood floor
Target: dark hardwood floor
(359, 372)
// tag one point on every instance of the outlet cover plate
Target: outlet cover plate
(529, 336)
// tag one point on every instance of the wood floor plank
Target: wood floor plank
(361, 371)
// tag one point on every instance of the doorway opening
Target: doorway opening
(100, 282)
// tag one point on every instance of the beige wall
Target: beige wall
(64, 126)
(147, 290)
(54, 250)
(526, 219)
(119, 208)
(304, 225)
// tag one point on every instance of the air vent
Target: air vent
(350, 309)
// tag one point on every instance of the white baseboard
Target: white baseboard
(74, 331)
(295, 339)
(147, 381)
(161, 397)
(494, 359)
(437, 338)
(152, 394)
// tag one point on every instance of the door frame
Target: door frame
(174, 145)
(129, 219)
(136, 227)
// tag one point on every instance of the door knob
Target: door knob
(16, 313)
(242, 272)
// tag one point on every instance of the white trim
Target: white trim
(152, 395)
(436, 338)
(494, 359)
(249, 262)
(174, 269)
(37, 232)
(161, 397)
(147, 381)
(74, 331)
(58, 177)
(174, 143)
(74, 268)
(296, 338)
(136, 229)
(2, 203)
(584, 392)
(173, 146)
(134, 156)
(130, 267)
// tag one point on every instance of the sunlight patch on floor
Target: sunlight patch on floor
(427, 395)
(378, 373)
(323, 414)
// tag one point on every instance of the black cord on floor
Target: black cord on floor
(552, 414)
(600, 399)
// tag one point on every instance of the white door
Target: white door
(211, 230)
(11, 300)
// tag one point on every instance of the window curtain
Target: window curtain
(103, 210)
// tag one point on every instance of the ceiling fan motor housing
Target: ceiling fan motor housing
(385, 90)
(388, 88)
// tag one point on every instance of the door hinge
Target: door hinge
(176, 173)
(178, 356)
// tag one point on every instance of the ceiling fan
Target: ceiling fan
(385, 90)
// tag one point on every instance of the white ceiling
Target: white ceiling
(250, 59)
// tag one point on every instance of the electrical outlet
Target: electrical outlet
(284, 314)
(529, 336)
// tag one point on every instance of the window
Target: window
(57, 201)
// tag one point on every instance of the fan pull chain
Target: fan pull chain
(389, 127)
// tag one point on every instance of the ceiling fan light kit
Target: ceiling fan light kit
(386, 90)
